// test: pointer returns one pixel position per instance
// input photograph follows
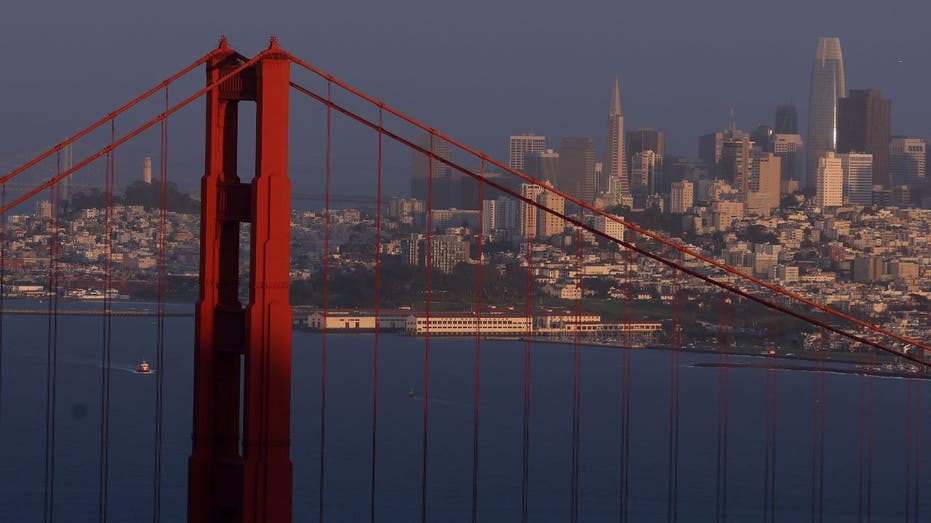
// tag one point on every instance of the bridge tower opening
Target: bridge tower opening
(240, 468)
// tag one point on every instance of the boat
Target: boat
(143, 368)
(411, 394)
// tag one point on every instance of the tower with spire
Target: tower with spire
(614, 171)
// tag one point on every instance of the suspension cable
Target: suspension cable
(723, 408)
(51, 376)
(2, 288)
(626, 360)
(428, 259)
(326, 307)
(104, 482)
(528, 336)
(674, 390)
(160, 329)
(477, 365)
(377, 326)
(576, 382)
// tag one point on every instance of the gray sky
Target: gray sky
(480, 70)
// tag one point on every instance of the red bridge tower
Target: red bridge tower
(244, 354)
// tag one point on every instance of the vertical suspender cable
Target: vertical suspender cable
(326, 303)
(104, 486)
(770, 398)
(160, 329)
(528, 336)
(869, 438)
(576, 382)
(377, 318)
(2, 288)
(861, 447)
(428, 262)
(477, 364)
(908, 448)
(917, 440)
(723, 407)
(626, 361)
(817, 429)
(675, 357)
(52, 350)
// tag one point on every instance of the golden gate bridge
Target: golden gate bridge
(240, 465)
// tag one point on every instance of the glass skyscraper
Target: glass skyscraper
(827, 87)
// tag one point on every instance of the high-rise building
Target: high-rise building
(421, 167)
(765, 180)
(786, 121)
(709, 148)
(858, 178)
(907, 157)
(641, 140)
(447, 251)
(542, 165)
(528, 212)
(548, 223)
(489, 217)
(762, 137)
(615, 159)
(864, 119)
(788, 147)
(608, 226)
(507, 213)
(643, 172)
(829, 181)
(577, 168)
(519, 146)
(682, 197)
(827, 87)
(735, 160)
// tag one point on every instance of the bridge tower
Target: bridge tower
(240, 469)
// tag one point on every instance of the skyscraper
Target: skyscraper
(709, 148)
(682, 196)
(858, 178)
(762, 137)
(542, 165)
(907, 157)
(827, 87)
(642, 140)
(788, 147)
(765, 179)
(577, 168)
(519, 146)
(735, 160)
(528, 212)
(615, 158)
(863, 125)
(829, 181)
(643, 172)
(421, 168)
(786, 121)
(548, 223)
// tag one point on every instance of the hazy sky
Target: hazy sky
(480, 70)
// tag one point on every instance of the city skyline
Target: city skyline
(679, 87)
